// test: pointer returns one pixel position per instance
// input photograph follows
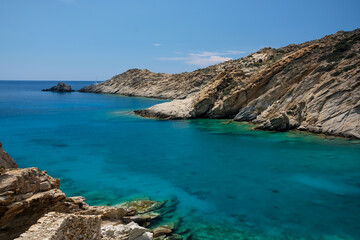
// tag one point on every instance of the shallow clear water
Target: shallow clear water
(230, 182)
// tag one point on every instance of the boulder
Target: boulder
(162, 231)
(60, 226)
(131, 231)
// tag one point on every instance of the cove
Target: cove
(228, 181)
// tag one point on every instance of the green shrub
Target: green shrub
(257, 64)
(342, 46)
(351, 55)
(347, 68)
(337, 73)
(338, 53)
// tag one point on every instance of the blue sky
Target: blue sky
(96, 39)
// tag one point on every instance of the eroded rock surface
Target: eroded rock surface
(314, 86)
(5, 160)
(143, 83)
(31, 205)
(60, 226)
(25, 196)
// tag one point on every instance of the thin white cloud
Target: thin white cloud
(68, 1)
(203, 58)
(208, 60)
(157, 44)
(234, 52)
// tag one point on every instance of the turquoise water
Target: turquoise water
(229, 182)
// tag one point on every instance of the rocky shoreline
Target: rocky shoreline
(33, 207)
(313, 86)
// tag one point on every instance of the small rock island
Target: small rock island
(60, 87)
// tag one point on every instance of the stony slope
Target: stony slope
(314, 86)
(143, 83)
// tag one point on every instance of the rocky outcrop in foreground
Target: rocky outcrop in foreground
(32, 206)
(25, 196)
(314, 86)
(60, 87)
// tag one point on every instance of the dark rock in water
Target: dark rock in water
(60, 87)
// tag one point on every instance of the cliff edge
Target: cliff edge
(313, 86)
(5, 160)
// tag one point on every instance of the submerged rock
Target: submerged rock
(60, 87)
(141, 206)
(162, 231)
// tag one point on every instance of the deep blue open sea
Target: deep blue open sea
(229, 181)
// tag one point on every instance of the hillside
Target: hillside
(314, 86)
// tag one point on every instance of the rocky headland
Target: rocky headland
(33, 207)
(313, 86)
(60, 87)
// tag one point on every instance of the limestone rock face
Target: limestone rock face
(60, 87)
(5, 160)
(143, 83)
(96, 222)
(25, 196)
(129, 231)
(60, 226)
(314, 86)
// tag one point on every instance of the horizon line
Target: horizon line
(52, 80)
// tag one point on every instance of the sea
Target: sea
(223, 179)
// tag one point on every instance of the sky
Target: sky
(96, 39)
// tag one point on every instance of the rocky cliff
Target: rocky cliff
(143, 83)
(313, 86)
(5, 160)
